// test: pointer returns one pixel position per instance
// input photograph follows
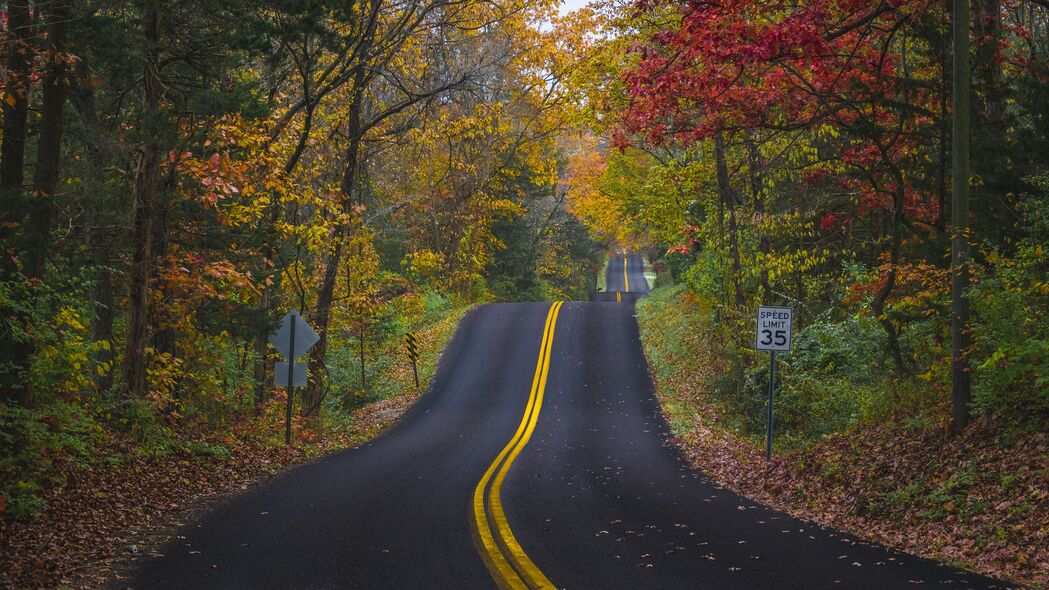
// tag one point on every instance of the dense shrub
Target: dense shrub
(34, 445)
(1010, 327)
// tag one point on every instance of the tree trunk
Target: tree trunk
(270, 291)
(878, 303)
(753, 162)
(36, 234)
(164, 336)
(49, 145)
(313, 394)
(263, 364)
(727, 196)
(16, 110)
(145, 196)
(944, 138)
(361, 343)
(103, 307)
(988, 25)
(13, 363)
(961, 383)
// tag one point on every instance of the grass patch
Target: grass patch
(602, 279)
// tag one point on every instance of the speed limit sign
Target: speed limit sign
(774, 336)
(774, 328)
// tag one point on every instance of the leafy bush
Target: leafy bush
(1011, 336)
(206, 450)
(678, 263)
(703, 276)
(850, 349)
(35, 444)
(138, 418)
(435, 307)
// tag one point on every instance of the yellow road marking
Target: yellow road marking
(506, 560)
(626, 280)
(619, 297)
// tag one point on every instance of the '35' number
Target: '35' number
(773, 337)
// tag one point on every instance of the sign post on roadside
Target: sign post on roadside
(413, 353)
(293, 337)
(773, 335)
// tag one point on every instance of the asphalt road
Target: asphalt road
(625, 278)
(538, 458)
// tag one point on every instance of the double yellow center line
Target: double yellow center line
(507, 562)
(626, 280)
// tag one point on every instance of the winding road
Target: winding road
(538, 458)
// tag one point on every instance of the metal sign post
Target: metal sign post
(773, 335)
(413, 353)
(294, 336)
(291, 381)
(772, 392)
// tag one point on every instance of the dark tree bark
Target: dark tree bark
(370, 57)
(313, 394)
(753, 165)
(729, 198)
(16, 110)
(49, 144)
(263, 362)
(36, 234)
(961, 383)
(145, 197)
(878, 303)
(944, 141)
(988, 28)
(13, 362)
(82, 98)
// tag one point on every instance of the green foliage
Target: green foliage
(678, 264)
(1011, 335)
(206, 450)
(34, 447)
(141, 421)
(51, 318)
(849, 349)
(705, 277)
(836, 376)
(949, 496)
(547, 255)
(513, 273)
(435, 306)
(384, 351)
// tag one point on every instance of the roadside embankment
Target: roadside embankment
(979, 500)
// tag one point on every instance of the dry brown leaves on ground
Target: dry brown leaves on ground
(96, 520)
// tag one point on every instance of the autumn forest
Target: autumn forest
(175, 176)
